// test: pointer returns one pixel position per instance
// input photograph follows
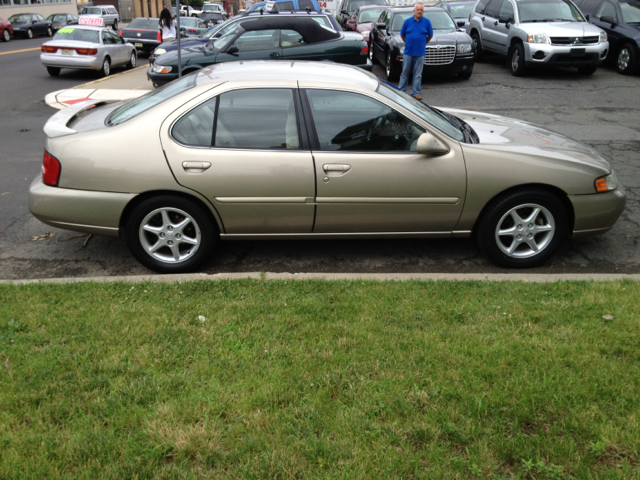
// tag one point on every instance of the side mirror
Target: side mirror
(504, 19)
(381, 26)
(608, 19)
(430, 145)
(232, 50)
(587, 16)
(34, 21)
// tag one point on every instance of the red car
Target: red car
(6, 30)
(363, 19)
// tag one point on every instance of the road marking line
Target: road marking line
(18, 51)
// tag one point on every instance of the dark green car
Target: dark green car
(290, 37)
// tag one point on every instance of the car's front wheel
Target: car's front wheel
(523, 229)
(626, 60)
(170, 234)
(516, 60)
(393, 72)
(49, 32)
(115, 26)
(476, 41)
(372, 57)
(29, 33)
(6, 36)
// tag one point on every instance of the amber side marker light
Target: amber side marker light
(606, 183)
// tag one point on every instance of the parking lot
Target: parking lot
(602, 110)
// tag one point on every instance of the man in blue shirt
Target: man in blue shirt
(416, 33)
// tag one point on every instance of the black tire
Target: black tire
(106, 67)
(393, 72)
(626, 60)
(115, 26)
(199, 228)
(53, 71)
(372, 57)
(29, 33)
(6, 36)
(132, 60)
(547, 229)
(49, 32)
(587, 69)
(516, 60)
(465, 75)
(479, 56)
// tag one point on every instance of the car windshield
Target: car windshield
(227, 36)
(369, 15)
(461, 10)
(92, 11)
(144, 23)
(548, 11)
(190, 22)
(20, 18)
(57, 18)
(356, 4)
(440, 21)
(80, 34)
(630, 12)
(151, 99)
(421, 110)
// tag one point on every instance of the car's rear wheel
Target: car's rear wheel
(132, 60)
(49, 32)
(170, 234)
(106, 67)
(393, 72)
(516, 60)
(372, 57)
(29, 33)
(587, 69)
(6, 36)
(523, 229)
(476, 41)
(626, 60)
(115, 25)
(53, 71)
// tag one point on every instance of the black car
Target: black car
(621, 20)
(28, 25)
(59, 20)
(348, 8)
(448, 52)
(144, 32)
(297, 36)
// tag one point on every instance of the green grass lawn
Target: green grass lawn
(320, 380)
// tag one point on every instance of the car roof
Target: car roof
(311, 31)
(320, 73)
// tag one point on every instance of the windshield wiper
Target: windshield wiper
(469, 134)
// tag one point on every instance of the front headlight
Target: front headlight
(366, 34)
(603, 37)
(538, 38)
(464, 48)
(160, 68)
(159, 51)
(606, 183)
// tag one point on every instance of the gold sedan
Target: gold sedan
(306, 150)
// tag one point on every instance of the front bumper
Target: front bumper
(597, 213)
(546, 55)
(460, 64)
(71, 61)
(77, 210)
(143, 45)
(159, 79)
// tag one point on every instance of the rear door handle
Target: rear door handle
(195, 167)
(333, 167)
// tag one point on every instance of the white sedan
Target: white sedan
(87, 47)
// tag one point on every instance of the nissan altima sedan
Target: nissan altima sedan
(310, 150)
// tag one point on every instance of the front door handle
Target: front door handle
(195, 167)
(495, 24)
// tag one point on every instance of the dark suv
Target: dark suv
(621, 20)
(348, 7)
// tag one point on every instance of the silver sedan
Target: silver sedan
(308, 150)
(86, 47)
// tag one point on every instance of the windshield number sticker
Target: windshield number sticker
(66, 30)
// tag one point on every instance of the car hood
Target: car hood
(187, 55)
(561, 29)
(526, 137)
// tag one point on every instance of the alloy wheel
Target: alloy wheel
(6, 35)
(525, 230)
(169, 235)
(623, 59)
(515, 60)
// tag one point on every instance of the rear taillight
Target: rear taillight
(86, 51)
(365, 50)
(191, 30)
(159, 37)
(120, 32)
(48, 49)
(50, 170)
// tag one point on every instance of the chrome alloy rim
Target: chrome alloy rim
(169, 235)
(515, 59)
(525, 230)
(7, 35)
(133, 60)
(371, 51)
(106, 68)
(388, 66)
(623, 59)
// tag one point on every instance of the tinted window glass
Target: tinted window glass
(106, 38)
(482, 4)
(369, 15)
(630, 12)
(493, 8)
(548, 10)
(507, 9)
(607, 10)
(258, 40)
(440, 21)
(462, 10)
(257, 118)
(149, 24)
(196, 127)
(348, 121)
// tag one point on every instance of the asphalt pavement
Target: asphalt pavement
(602, 110)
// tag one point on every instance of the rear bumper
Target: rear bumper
(143, 45)
(76, 209)
(70, 61)
(596, 214)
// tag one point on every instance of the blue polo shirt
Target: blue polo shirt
(416, 34)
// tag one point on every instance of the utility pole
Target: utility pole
(178, 38)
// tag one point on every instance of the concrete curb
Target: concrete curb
(374, 277)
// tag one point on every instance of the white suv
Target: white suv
(108, 13)
(537, 33)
